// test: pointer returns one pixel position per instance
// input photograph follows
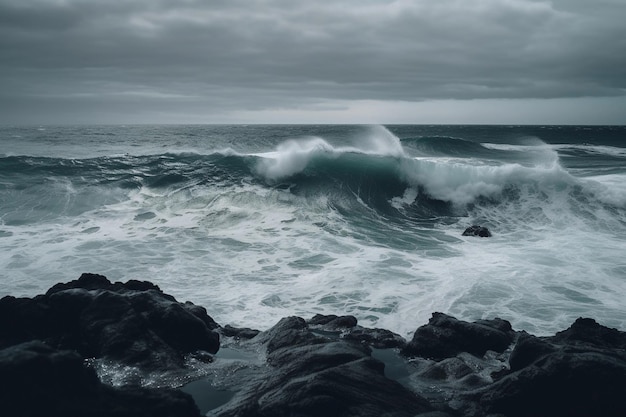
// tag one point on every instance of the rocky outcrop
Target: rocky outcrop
(134, 323)
(350, 330)
(37, 380)
(477, 231)
(327, 365)
(578, 372)
(444, 337)
(315, 375)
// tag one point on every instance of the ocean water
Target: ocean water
(260, 222)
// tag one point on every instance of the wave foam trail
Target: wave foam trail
(461, 183)
(462, 180)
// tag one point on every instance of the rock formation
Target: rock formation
(327, 365)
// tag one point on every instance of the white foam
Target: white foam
(293, 156)
(608, 188)
(462, 182)
(252, 254)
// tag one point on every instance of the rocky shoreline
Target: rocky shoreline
(91, 347)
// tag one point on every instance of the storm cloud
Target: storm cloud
(184, 61)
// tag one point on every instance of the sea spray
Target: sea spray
(260, 222)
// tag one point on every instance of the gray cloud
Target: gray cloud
(97, 58)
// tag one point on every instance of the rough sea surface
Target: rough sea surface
(260, 222)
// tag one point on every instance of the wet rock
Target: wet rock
(451, 368)
(239, 333)
(333, 322)
(477, 231)
(133, 323)
(376, 338)
(528, 349)
(328, 365)
(312, 375)
(586, 331)
(37, 380)
(444, 337)
(562, 384)
(578, 372)
(347, 328)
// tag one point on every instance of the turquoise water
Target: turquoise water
(259, 222)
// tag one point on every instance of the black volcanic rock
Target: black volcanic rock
(586, 331)
(376, 338)
(332, 321)
(528, 349)
(36, 380)
(477, 231)
(350, 330)
(311, 375)
(239, 333)
(444, 336)
(133, 323)
(578, 372)
(328, 365)
(562, 384)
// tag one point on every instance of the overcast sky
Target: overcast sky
(316, 61)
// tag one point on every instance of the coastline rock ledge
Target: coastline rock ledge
(51, 345)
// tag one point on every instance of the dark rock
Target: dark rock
(239, 333)
(562, 384)
(578, 372)
(24, 319)
(36, 380)
(376, 338)
(327, 366)
(444, 337)
(133, 323)
(451, 368)
(527, 350)
(588, 331)
(311, 375)
(477, 231)
(332, 321)
(288, 333)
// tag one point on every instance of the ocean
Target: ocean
(256, 223)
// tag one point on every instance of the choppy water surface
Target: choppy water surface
(259, 222)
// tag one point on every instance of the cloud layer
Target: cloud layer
(218, 58)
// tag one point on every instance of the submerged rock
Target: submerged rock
(477, 231)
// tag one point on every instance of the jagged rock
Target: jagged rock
(133, 323)
(477, 231)
(326, 366)
(239, 333)
(350, 330)
(578, 372)
(311, 375)
(588, 331)
(528, 349)
(376, 338)
(451, 368)
(445, 336)
(36, 380)
(332, 322)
